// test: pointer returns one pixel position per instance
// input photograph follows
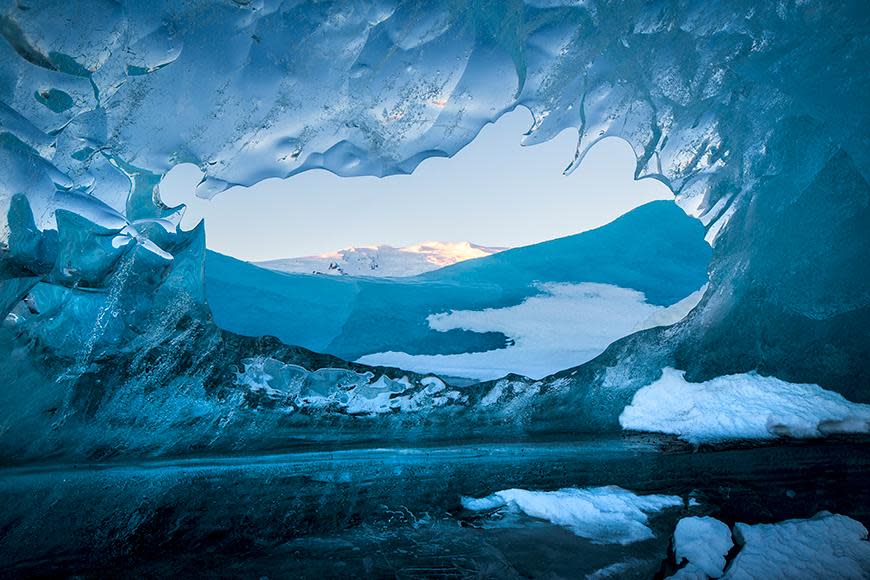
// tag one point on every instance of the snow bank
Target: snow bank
(703, 542)
(825, 546)
(564, 326)
(744, 406)
(605, 515)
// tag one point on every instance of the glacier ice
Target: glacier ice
(746, 406)
(740, 108)
(754, 114)
(562, 327)
(654, 249)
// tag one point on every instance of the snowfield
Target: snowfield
(605, 515)
(564, 326)
(742, 406)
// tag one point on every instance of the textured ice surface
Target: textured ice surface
(703, 543)
(825, 546)
(294, 388)
(562, 327)
(383, 261)
(606, 515)
(755, 115)
(741, 407)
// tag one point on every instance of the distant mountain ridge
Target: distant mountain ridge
(383, 260)
(655, 249)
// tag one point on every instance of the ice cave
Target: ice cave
(681, 392)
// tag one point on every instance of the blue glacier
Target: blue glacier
(138, 434)
(350, 318)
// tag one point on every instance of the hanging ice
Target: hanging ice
(739, 107)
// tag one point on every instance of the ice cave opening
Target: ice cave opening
(169, 410)
(537, 283)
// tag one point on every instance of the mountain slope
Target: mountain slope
(655, 250)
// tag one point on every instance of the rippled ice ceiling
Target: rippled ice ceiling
(756, 115)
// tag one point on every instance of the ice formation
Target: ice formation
(824, 546)
(747, 406)
(740, 108)
(645, 260)
(601, 514)
(756, 115)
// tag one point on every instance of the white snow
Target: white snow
(564, 326)
(703, 542)
(825, 546)
(383, 261)
(604, 515)
(742, 406)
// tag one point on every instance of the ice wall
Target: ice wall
(756, 115)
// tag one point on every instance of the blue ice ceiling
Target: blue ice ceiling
(756, 121)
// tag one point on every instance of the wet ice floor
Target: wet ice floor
(397, 512)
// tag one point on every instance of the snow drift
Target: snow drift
(741, 407)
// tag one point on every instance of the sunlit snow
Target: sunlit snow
(383, 260)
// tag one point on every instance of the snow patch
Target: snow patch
(703, 542)
(564, 326)
(824, 546)
(604, 515)
(742, 406)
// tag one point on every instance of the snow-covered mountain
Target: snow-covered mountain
(532, 310)
(383, 260)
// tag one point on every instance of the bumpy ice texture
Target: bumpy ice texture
(755, 115)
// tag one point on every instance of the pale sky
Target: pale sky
(493, 192)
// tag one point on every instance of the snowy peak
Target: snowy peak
(383, 261)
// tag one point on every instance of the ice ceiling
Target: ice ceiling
(755, 114)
